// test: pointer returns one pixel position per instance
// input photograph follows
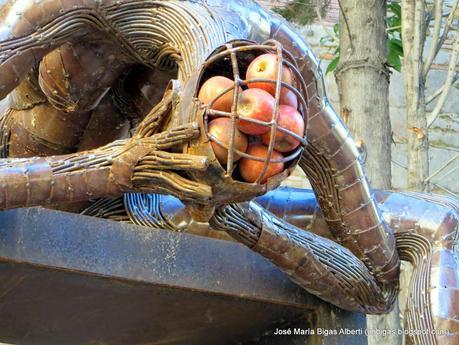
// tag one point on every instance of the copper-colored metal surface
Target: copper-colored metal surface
(75, 77)
(427, 232)
(31, 127)
(105, 125)
(170, 151)
(182, 109)
(321, 266)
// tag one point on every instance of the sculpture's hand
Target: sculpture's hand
(140, 165)
(145, 166)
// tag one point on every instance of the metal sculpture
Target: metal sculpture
(81, 73)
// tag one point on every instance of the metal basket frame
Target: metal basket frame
(285, 58)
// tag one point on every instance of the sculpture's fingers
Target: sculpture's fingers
(151, 123)
(166, 182)
(160, 160)
(140, 159)
(172, 137)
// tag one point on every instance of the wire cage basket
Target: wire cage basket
(239, 54)
(232, 61)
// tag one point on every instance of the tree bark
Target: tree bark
(363, 80)
(413, 31)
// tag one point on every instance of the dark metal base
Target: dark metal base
(71, 279)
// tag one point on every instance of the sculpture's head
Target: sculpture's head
(241, 171)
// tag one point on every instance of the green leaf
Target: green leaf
(336, 28)
(393, 22)
(395, 45)
(395, 62)
(395, 51)
(331, 67)
(395, 8)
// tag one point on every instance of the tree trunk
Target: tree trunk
(363, 81)
(413, 31)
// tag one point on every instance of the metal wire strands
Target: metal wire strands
(154, 211)
(147, 210)
(235, 56)
(108, 208)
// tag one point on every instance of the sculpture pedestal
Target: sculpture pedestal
(71, 279)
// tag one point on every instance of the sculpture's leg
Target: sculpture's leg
(32, 127)
(76, 76)
(41, 129)
(51, 107)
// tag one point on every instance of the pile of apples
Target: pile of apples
(255, 102)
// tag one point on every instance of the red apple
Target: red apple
(288, 97)
(251, 169)
(255, 104)
(289, 118)
(220, 128)
(212, 88)
(265, 67)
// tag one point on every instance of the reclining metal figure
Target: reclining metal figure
(102, 105)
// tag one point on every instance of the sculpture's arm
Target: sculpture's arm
(31, 29)
(125, 165)
(321, 266)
